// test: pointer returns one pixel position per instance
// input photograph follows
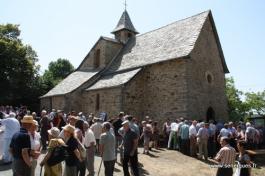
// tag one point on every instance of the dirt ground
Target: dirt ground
(160, 163)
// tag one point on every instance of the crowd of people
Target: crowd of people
(75, 139)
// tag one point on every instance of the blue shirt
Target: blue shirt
(184, 132)
(20, 140)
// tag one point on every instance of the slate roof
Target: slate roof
(70, 83)
(125, 23)
(169, 42)
(114, 80)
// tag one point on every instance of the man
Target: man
(192, 136)
(133, 125)
(89, 143)
(44, 127)
(130, 141)
(117, 124)
(250, 136)
(107, 149)
(184, 135)
(226, 158)
(97, 129)
(202, 139)
(20, 148)
(12, 126)
(173, 135)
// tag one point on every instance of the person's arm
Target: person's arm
(77, 154)
(25, 156)
(219, 155)
(45, 159)
(135, 145)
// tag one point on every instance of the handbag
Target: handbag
(82, 149)
(58, 155)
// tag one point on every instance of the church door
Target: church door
(210, 115)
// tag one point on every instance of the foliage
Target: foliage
(237, 109)
(57, 71)
(19, 71)
(256, 102)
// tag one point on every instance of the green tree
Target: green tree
(237, 109)
(56, 72)
(256, 102)
(19, 72)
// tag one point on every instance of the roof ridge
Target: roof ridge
(207, 11)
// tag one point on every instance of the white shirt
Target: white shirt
(192, 131)
(11, 126)
(97, 129)
(174, 126)
(213, 127)
(89, 137)
(35, 142)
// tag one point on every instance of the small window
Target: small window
(129, 35)
(209, 77)
(97, 102)
(97, 58)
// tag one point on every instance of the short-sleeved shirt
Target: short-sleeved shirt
(203, 133)
(128, 140)
(108, 140)
(72, 145)
(97, 129)
(20, 140)
(226, 155)
(89, 138)
(184, 132)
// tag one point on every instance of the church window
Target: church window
(209, 77)
(97, 58)
(97, 102)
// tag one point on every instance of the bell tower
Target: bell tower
(124, 29)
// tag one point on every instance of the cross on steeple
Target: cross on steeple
(125, 4)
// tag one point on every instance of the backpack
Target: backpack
(58, 155)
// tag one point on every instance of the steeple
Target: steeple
(124, 29)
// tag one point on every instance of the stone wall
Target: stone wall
(110, 101)
(45, 103)
(58, 102)
(108, 50)
(203, 91)
(159, 91)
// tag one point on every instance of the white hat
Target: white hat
(54, 131)
(125, 122)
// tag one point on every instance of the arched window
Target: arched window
(97, 58)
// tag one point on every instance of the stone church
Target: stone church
(176, 70)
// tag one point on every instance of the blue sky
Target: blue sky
(69, 28)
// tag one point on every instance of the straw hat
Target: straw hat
(69, 128)
(27, 119)
(54, 132)
(35, 123)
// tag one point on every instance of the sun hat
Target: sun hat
(69, 128)
(27, 119)
(35, 123)
(54, 131)
(125, 122)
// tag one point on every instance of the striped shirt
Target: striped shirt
(226, 156)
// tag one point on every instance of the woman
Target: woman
(73, 156)
(155, 132)
(243, 159)
(54, 141)
(35, 145)
(80, 134)
(147, 132)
